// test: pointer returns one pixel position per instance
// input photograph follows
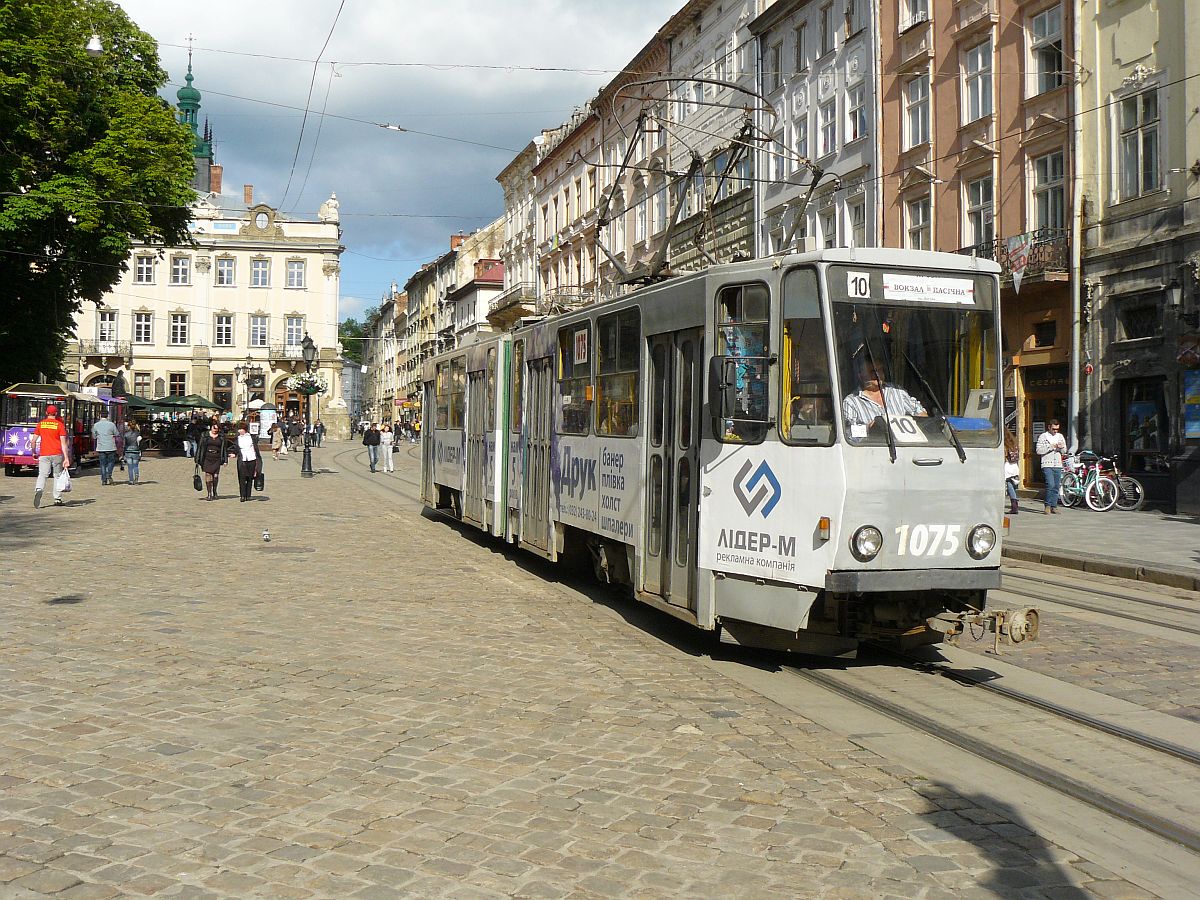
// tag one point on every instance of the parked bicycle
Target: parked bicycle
(1130, 493)
(1084, 480)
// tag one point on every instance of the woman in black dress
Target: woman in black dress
(210, 456)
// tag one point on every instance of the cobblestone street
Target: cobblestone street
(373, 704)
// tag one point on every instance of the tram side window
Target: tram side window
(574, 378)
(742, 325)
(491, 389)
(458, 392)
(442, 391)
(518, 382)
(807, 391)
(618, 340)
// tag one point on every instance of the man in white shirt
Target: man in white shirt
(1052, 447)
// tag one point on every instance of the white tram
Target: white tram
(711, 441)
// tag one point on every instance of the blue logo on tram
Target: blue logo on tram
(749, 497)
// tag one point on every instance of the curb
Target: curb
(1116, 567)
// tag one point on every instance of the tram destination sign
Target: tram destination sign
(927, 289)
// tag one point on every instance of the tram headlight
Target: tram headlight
(866, 543)
(981, 541)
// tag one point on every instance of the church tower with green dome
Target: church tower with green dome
(189, 115)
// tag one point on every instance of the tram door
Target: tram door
(672, 466)
(429, 419)
(535, 485)
(476, 446)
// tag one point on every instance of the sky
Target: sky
(462, 70)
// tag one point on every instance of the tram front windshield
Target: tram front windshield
(916, 357)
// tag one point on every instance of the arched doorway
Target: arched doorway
(101, 379)
(289, 403)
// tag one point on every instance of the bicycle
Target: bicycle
(1083, 480)
(1131, 496)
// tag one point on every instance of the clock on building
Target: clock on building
(223, 381)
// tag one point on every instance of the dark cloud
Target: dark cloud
(386, 180)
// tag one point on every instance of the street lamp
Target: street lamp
(245, 373)
(309, 349)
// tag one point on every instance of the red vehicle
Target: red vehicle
(24, 405)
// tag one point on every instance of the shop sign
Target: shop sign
(1046, 378)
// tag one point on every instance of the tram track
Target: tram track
(1059, 600)
(1048, 755)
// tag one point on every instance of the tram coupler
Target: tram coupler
(1015, 626)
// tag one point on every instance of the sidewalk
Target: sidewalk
(1147, 545)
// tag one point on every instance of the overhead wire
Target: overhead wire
(312, 81)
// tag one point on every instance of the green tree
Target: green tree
(351, 333)
(91, 160)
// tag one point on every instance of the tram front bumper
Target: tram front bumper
(889, 580)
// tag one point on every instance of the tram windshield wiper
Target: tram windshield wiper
(887, 417)
(942, 418)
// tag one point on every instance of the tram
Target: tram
(711, 442)
(23, 405)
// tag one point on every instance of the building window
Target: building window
(260, 273)
(800, 47)
(181, 270)
(913, 12)
(800, 137)
(827, 115)
(258, 331)
(918, 224)
(1138, 148)
(223, 331)
(829, 229)
(179, 329)
(1048, 192)
(916, 112)
(1045, 334)
(295, 273)
(979, 211)
(295, 331)
(978, 86)
(143, 272)
(856, 114)
(106, 325)
(660, 209)
(825, 29)
(857, 210)
(225, 271)
(778, 153)
(1139, 319)
(141, 384)
(719, 67)
(773, 76)
(1047, 49)
(854, 21)
(178, 384)
(143, 328)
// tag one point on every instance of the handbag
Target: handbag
(260, 480)
(62, 484)
(196, 482)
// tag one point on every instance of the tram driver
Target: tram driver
(861, 409)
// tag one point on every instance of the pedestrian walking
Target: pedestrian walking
(387, 440)
(211, 451)
(104, 433)
(52, 447)
(133, 451)
(1012, 479)
(295, 429)
(276, 438)
(371, 442)
(1051, 447)
(249, 460)
(320, 432)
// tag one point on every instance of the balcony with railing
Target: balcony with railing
(287, 353)
(563, 299)
(975, 16)
(521, 292)
(1049, 256)
(107, 350)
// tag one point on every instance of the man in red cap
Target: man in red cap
(52, 446)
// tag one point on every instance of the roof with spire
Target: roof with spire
(189, 109)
